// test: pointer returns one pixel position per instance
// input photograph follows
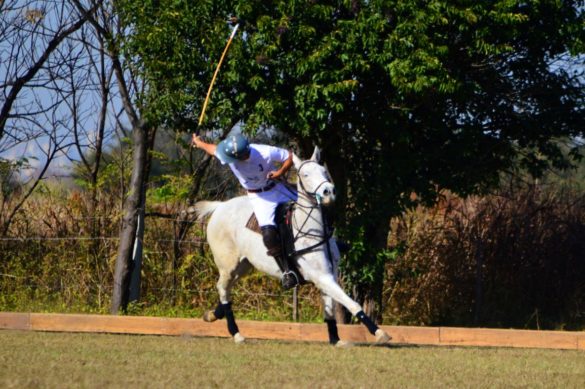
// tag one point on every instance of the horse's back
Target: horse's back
(235, 212)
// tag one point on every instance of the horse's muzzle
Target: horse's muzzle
(327, 195)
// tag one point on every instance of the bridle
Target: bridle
(315, 200)
(313, 194)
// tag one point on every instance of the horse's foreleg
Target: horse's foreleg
(329, 287)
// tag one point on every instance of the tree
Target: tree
(90, 129)
(105, 20)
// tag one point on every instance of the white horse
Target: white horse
(236, 249)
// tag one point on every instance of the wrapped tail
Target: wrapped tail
(204, 208)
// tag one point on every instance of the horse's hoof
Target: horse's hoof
(209, 316)
(343, 344)
(382, 337)
(239, 338)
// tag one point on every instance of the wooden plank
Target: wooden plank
(413, 335)
(581, 341)
(125, 325)
(195, 327)
(353, 333)
(312, 332)
(508, 338)
(269, 330)
(14, 321)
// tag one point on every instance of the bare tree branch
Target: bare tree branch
(20, 82)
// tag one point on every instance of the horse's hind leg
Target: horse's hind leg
(227, 279)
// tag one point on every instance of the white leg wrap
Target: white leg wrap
(382, 337)
(343, 344)
(239, 338)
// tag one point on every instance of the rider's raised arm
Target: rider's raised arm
(209, 148)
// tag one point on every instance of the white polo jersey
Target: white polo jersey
(252, 174)
(263, 159)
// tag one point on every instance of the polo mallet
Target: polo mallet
(234, 30)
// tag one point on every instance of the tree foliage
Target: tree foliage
(413, 97)
(174, 46)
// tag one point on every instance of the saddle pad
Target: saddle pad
(252, 224)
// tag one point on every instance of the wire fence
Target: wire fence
(83, 238)
(65, 268)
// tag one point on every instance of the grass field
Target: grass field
(60, 360)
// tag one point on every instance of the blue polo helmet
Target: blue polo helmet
(232, 149)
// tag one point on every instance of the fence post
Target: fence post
(295, 302)
(134, 293)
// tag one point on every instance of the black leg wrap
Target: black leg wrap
(367, 322)
(231, 320)
(332, 330)
(220, 311)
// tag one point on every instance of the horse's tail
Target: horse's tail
(204, 208)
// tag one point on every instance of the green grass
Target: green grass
(60, 360)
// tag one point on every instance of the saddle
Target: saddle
(283, 219)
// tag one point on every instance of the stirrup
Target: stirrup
(289, 280)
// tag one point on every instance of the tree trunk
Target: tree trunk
(370, 294)
(381, 240)
(132, 207)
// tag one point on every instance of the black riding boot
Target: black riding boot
(271, 239)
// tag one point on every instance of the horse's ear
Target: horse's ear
(327, 170)
(316, 155)
(296, 161)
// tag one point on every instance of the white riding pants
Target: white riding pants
(265, 203)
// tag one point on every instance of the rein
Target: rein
(325, 238)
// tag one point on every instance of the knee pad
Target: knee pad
(271, 239)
